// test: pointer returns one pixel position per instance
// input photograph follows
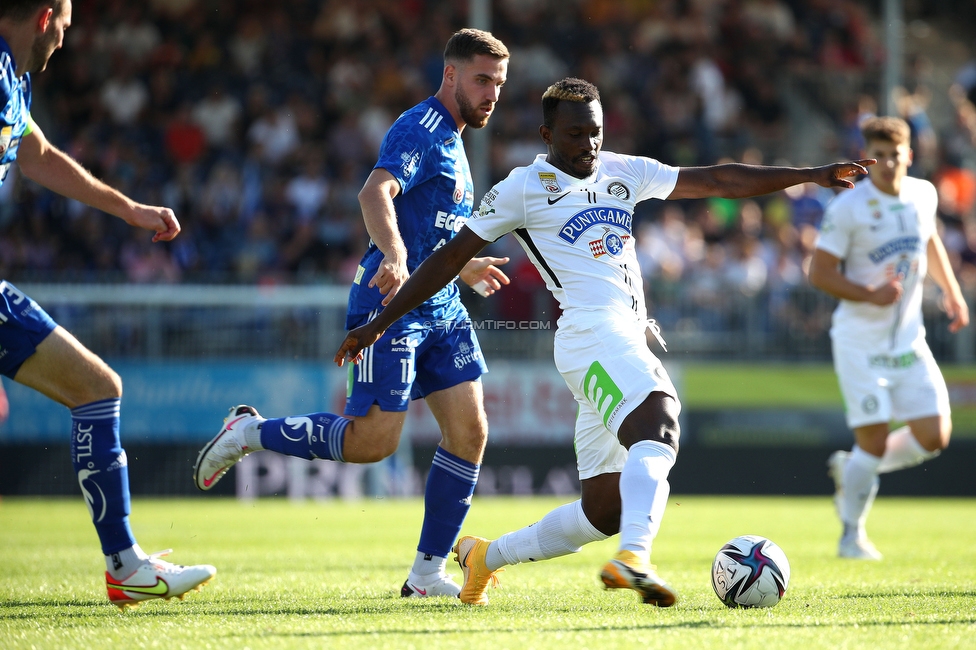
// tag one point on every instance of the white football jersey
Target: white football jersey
(579, 232)
(880, 237)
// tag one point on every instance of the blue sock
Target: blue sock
(102, 471)
(316, 435)
(447, 500)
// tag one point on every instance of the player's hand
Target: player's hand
(484, 269)
(355, 342)
(886, 294)
(389, 277)
(956, 309)
(836, 175)
(151, 217)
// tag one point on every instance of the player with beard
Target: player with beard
(417, 197)
(572, 211)
(38, 353)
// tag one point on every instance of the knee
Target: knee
(656, 420)
(371, 448)
(108, 384)
(466, 442)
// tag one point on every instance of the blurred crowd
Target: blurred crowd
(258, 124)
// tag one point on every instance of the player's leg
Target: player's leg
(64, 370)
(564, 530)
(868, 406)
(379, 390)
(459, 411)
(609, 367)
(650, 433)
(919, 397)
(860, 486)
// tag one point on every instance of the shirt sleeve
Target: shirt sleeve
(655, 179)
(502, 209)
(403, 154)
(835, 229)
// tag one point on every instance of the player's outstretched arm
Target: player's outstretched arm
(736, 181)
(47, 165)
(435, 273)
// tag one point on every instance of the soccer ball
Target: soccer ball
(750, 571)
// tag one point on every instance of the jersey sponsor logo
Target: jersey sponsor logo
(489, 198)
(360, 270)
(403, 344)
(449, 221)
(409, 163)
(610, 244)
(603, 392)
(895, 247)
(618, 190)
(582, 221)
(466, 354)
(553, 201)
(549, 184)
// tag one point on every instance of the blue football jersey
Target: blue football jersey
(15, 100)
(424, 152)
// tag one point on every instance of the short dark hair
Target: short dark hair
(887, 129)
(18, 10)
(467, 43)
(569, 89)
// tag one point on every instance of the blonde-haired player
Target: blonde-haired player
(877, 243)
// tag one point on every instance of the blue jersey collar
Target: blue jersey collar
(440, 108)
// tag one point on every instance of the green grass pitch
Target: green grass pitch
(327, 575)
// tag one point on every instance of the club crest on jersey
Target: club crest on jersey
(618, 190)
(610, 244)
(5, 134)
(582, 221)
(548, 180)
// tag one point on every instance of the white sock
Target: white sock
(562, 531)
(902, 450)
(860, 487)
(425, 565)
(121, 565)
(644, 491)
(252, 435)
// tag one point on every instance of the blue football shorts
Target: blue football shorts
(23, 325)
(412, 362)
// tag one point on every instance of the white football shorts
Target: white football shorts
(880, 387)
(610, 369)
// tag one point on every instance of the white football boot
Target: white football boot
(155, 579)
(226, 449)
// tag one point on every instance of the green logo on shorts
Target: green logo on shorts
(601, 390)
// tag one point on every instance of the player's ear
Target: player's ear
(44, 17)
(911, 157)
(546, 134)
(450, 74)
